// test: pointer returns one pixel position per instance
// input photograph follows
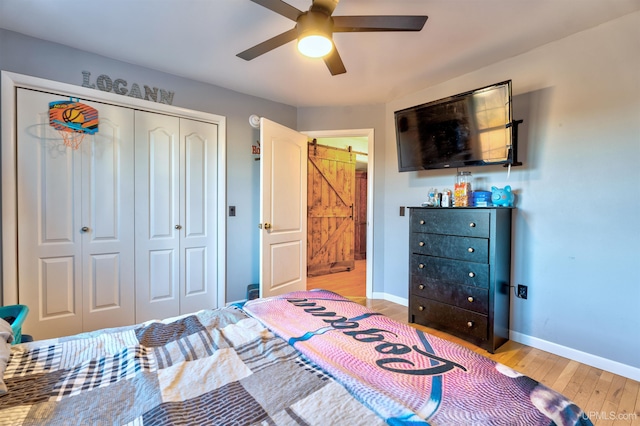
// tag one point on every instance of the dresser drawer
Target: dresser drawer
(466, 223)
(465, 297)
(452, 247)
(428, 269)
(460, 321)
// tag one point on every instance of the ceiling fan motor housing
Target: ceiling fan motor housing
(314, 23)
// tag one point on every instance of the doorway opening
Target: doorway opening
(349, 278)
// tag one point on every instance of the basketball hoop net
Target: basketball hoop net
(72, 139)
(73, 120)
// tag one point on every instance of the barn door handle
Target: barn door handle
(351, 211)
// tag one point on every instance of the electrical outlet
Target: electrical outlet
(401, 210)
(522, 291)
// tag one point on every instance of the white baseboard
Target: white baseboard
(391, 298)
(576, 355)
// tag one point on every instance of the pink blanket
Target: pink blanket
(404, 374)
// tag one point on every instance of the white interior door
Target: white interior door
(72, 279)
(157, 215)
(283, 209)
(198, 215)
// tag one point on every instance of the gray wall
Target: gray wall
(38, 58)
(575, 236)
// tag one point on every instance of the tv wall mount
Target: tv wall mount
(512, 156)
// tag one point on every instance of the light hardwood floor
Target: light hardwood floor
(348, 284)
(606, 398)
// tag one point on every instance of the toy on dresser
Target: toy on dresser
(502, 196)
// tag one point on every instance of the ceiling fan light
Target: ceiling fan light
(315, 45)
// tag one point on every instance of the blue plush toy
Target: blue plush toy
(502, 196)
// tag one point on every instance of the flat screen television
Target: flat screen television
(469, 129)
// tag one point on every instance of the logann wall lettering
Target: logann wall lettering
(394, 362)
(120, 87)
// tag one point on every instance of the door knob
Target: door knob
(178, 227)
(85, 229)
(267, 225)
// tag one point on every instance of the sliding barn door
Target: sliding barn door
(330, 220)
(360, 216)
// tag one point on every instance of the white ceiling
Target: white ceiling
(199, 39)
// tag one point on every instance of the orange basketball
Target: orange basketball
(73, 115)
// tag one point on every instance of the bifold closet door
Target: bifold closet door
(157, 183)
(198, 215)
(176, 193)
(75, 221)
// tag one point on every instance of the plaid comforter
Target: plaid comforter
(216, 367)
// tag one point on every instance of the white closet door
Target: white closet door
(108, 203)
(60, 191)
(157, 223)
(198, 215)
(49, 209)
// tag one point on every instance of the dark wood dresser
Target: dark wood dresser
(459, 272)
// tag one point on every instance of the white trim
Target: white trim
(576, 355)
(390, 298)
(9, 83)
(369, 134)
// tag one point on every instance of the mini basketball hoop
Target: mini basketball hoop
(73, 120)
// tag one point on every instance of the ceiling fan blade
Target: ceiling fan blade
(268, 45)
(334, 62)
(327, 6)
(281, 8)
(345, 24)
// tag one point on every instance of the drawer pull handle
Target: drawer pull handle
(470, 299)
(472, 225)
(472, 274)
(421, 286)
(421, 266)
(422, 222)
(471, 250)
(421, 308)
(469, 324)
(421, 243)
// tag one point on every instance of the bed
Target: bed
(303, 358)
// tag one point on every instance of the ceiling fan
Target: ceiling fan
(317, 25)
